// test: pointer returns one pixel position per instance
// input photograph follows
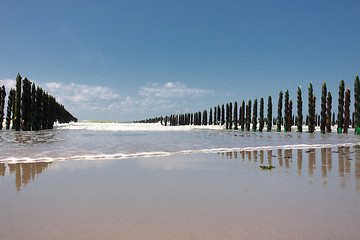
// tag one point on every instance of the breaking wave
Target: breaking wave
(118, 126)
(113, 156)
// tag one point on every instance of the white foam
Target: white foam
(115, 126)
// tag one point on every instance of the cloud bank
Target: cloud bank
(100, 102)
(172, 90)
(8, 83)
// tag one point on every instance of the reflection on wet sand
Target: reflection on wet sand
(329, 159)
(299, 160)
(357, 161)
(312, 161)
(348, 158)
(269, 157)
(280, 158)
(2, 169)
(341, 163)
(24, 172)
(357, 166)
(323, 162)
(288, 157)
(248, 155)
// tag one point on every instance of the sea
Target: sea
(91, 140)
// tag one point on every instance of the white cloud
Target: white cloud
(79, 93)
(73, 93)
(172, 90)
(81, 98)
(8, 83)
(86, 101)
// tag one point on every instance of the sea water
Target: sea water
(95, 140)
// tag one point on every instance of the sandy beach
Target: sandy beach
(311, 194)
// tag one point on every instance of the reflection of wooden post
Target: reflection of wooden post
(248, 155)
(235, 155)
(312, 161)
(11, 168)
(329, 159)
(347, 162)
(33, 171)
(299, 160)
(288, 156)
(323, 162)
(280, 157)
(25, 173)
(255, 156)
(341, 162)
(243, 155)
(38, 168)
(269, 157)
(2, 169)
(261, 157)
(357, 161)
(18, 176)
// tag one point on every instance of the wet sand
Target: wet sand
(311, 194)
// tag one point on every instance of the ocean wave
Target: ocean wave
(117, 126)
(120, 126)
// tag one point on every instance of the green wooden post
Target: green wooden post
(261, 119)
(328, 112)
(347, 111)
(299, 110)
(311, 106)
(269, 114)
(17, 116)
(279, 116)
(340, 117)
(357, 105)
(323, 108)
(254, 119)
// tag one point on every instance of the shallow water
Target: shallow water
(92, 141)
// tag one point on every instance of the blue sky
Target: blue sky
(128, 60)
